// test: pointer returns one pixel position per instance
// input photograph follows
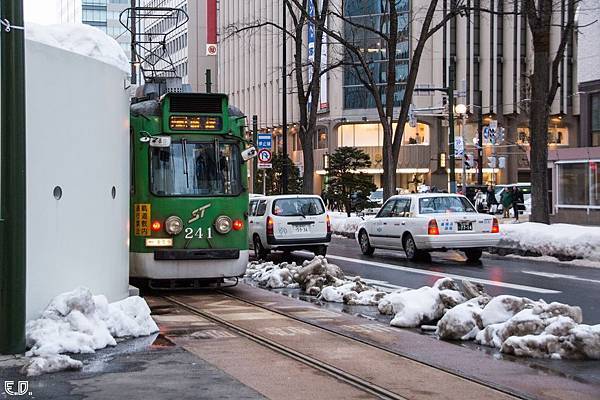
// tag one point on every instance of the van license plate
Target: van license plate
(302, 228)
(465, 226)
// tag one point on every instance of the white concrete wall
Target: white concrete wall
(78, 139)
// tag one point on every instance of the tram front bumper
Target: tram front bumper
(146, 265)
(197, 254)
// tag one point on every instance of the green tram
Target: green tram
(189, 196)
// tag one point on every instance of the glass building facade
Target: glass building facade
(364, 17)
(93, 12)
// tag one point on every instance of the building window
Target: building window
(595, 116)
(416, 135)
(371, 135)
(374, 15)
(579, 183)
(557, 135)
(321, 139)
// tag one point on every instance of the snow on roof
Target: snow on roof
(81, 39)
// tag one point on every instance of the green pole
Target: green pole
(451, 155)
(255, 160)
(12, 189)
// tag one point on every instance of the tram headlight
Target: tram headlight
(173, 225)
(223, 224)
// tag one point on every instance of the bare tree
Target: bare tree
(391, 34)
(307, 72)
(544, 83)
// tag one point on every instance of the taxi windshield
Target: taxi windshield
(445, 204)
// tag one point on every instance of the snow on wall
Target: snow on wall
(78, 140)
(81, 39)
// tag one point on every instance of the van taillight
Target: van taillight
(495, 226)
(432, 228)
(270, 224)
(328, 219)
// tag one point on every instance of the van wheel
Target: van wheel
(473, 255)
(320, 251)
(259, 251)
(411, 250)
(365, 244)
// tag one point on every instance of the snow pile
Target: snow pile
(81, 39)
(271, 275)
(558, 239)
(341, 223)
(415, 307)
(78, 322)
(316, 277)
(352, 292)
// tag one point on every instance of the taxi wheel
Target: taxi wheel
(473, 255)
(259, 251)
(365, 245)
(410, 248)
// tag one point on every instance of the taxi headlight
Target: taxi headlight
(173, 225)
(223, 224)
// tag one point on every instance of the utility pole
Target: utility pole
(284, 174)
(255, 159)
(478, 96)
(133, 33)
(12, 190)
(451, 154)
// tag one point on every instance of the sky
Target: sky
(41, 11)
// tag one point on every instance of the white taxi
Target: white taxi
(287, 223)
(420, 223)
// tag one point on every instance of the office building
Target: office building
(490, 52)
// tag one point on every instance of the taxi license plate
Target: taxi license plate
(465, 226)
(302, 229)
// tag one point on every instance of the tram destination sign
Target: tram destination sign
(195, 123)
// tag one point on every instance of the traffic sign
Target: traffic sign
(264, 141)
(264, 155)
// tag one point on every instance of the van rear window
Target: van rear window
(298, 207)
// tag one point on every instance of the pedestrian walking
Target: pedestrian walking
(490, 199)
(506, 199)
(517, 201)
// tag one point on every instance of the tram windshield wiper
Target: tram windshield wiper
(185, 164)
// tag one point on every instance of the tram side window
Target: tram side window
(262, 208)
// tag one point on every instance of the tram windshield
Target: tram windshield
(195, 169)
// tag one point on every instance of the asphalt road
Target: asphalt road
(500, 275)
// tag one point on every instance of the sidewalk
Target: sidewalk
(138, 369)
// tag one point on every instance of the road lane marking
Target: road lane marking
(441, 274)
(554, 276)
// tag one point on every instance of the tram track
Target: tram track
(313, 362)
(378, 346)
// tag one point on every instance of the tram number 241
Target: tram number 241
(198, 233)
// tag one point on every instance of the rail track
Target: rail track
(377, 390)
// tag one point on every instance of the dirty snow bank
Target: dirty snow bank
(461, 311)
(557, 239)
(316, 277)
(78, 322)
(341, 223)
(81, 39)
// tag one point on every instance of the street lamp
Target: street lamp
(460, 111)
